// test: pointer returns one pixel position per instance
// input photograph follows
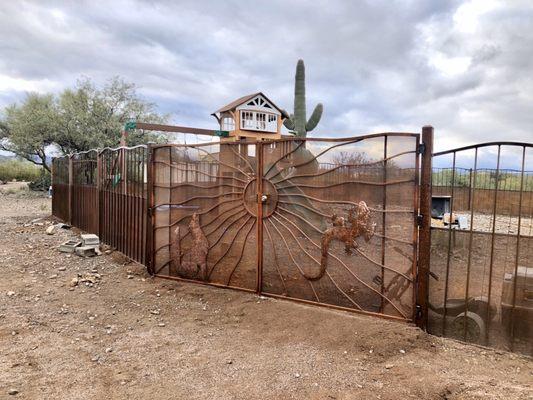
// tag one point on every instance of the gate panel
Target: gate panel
(339, 222)
(84, 201)
(123, 204)
(60, 188)
(481, 288)
(204, 213)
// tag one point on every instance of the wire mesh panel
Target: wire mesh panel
(203, 213)
(60, 188)
(123, 204)
(481, 259)
(84, 201)
(338, 222)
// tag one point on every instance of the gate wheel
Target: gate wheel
(474, 325)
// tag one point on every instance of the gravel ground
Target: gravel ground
(123, 335)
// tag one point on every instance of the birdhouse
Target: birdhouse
(253, 116)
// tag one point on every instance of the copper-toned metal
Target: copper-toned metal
(470, 238)
(383, 221)
(346, 267)
(449, 252)
(517, 255)
(236, 198)
(491, 263)
(424, 238)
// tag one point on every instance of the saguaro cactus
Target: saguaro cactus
(297, 122)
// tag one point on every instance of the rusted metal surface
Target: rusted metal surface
(60, 188)
(294, 218)
(122, 191)
(84, 202)
(482, 285)
(424, 239)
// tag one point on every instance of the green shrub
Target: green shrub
(18, 170)
(43, 181)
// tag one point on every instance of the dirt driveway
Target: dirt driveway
(122, 335)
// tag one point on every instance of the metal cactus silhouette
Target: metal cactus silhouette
(298, 122)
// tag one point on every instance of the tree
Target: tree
(29, 129)
(94, 118)
(79, 119)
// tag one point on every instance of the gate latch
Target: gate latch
(421, 148)
(419, 220)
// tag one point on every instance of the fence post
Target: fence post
(98, 194)
(70, 189)
(424, 238)
(148, 257)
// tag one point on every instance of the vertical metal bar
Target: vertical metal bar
(470, 237)
(70, 189)
(127, 197)
(98, 196)
(449, 254)
(259, 180)
(134, 191)
(383, 222)
(493, 235)
(517, 257)
(424, 242)
(416, 205)
(149, 226)
(170, 202)
(470, 186)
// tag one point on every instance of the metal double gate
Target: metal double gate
(344, 223)
(332, 222)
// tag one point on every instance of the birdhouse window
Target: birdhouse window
(259, 121)
(227, 124)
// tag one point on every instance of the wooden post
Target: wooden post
(148, 246)
(424, 240)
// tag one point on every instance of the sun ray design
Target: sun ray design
(294, 261)
(285, 290)
(348, 269)
(318, 263)
(230, 246)
(244, 243)
(296, 199)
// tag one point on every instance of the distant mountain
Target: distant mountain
(4, 157)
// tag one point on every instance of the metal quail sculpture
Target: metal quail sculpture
(297, 122)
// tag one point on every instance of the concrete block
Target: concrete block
(90, 239)
(69, 246)
(85, 251)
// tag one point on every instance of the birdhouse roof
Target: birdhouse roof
(234, 104)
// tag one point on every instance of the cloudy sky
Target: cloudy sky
(465, 67)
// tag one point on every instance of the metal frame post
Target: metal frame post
(424, 248)
(149, 211)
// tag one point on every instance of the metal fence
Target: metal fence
(344, 223)
(104, 192)
(481, 288)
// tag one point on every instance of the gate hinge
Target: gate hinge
(419, 220)
(421, 148)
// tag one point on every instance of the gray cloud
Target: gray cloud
(463, 67)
